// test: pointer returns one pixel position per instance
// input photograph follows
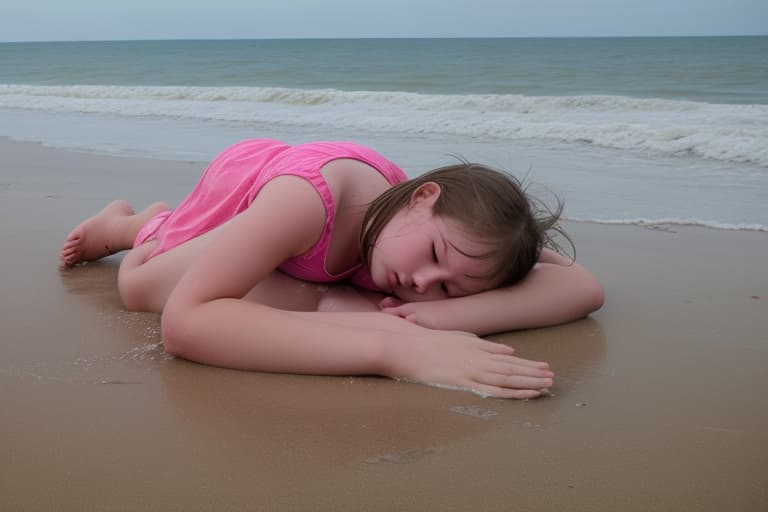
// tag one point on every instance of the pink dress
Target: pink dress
(233, 180)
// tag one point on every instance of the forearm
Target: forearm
(366, 320)
(237, 334)
(550, 294)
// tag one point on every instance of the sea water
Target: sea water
(628, 130)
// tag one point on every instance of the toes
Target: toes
(70, 245)
(72, 250)
(75, 235)
(69, 257)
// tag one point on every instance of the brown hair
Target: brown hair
(490, 204)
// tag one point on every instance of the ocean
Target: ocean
(626, 130)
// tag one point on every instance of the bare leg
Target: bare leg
(111, 230)
(145, 285)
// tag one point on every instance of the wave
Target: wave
(730, 133)
(664, 224)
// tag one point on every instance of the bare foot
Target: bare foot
(111, 230)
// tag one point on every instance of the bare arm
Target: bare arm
(554, 292)
(205, 320)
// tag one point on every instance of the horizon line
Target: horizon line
(353, 38)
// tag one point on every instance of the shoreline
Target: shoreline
(658, 401)
(645, 222)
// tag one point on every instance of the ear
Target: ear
(425, 195)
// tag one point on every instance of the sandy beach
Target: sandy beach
(659, 402)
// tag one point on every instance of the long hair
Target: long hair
(490, 205)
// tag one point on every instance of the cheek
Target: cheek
(383, 257)
(374, 263)
(388, 251)
(378, 254)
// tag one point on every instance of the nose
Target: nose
(425, 278)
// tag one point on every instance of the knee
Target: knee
(134, 291)
(175, 333)
(594, 295)
(134, 283)
(129, 292)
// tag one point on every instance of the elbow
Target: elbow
(176, 332)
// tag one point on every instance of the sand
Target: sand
(659, 402)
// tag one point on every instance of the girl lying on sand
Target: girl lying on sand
(431, 263)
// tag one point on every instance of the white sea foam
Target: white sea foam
(449, 387)
(666, 222)
(730, 133)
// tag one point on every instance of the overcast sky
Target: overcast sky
(57, 20)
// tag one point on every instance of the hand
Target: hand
(425, 314)
(464, 361)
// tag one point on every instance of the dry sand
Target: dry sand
(659, 402)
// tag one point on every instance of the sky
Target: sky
(86, 20)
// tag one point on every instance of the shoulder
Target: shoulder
(288, 207)
(351, 180)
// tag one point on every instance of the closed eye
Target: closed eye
(443, 286)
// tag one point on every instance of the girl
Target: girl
(457, 252)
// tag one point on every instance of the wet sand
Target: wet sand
(659, 402)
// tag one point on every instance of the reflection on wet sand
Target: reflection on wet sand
(252, 416)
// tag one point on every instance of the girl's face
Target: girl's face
(418, 256)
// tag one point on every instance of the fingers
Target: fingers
(504, 352)
(515, 381)
(495, 348)
(509, 368)
(517, 394)
(393, 312)
(511, 386)
(484, 367)
(390, 302)
(506, 376)
(520, 361)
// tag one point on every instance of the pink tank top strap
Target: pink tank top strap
(306, 161)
